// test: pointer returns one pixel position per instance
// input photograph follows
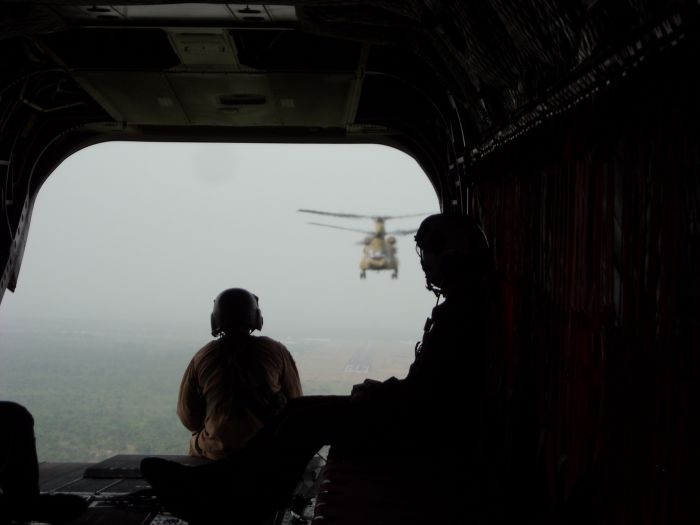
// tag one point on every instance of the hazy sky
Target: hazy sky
(128, 234)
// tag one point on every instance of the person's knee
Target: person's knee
(15, 415)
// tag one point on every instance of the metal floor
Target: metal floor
(103, 483)
(344, 490)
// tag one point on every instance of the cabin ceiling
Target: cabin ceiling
(320, 63)
(447, 81)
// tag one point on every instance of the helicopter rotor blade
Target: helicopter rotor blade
(365, 232)
(332, 214)
(357, 216)
(386, 217)
(401, 232)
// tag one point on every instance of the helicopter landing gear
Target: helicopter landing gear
(395, 274)
(363, 275)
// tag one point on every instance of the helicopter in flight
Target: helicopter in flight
(379, 252)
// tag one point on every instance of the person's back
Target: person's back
(237, 383)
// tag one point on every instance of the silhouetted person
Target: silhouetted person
(236, 383)
(432, 420)
(19, 474)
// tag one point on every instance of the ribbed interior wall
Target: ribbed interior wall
(595, 225)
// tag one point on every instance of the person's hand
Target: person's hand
(364, 390)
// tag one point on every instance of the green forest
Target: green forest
(96, 394)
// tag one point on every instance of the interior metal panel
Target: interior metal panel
(200, 98)
(135, 97)
(290, 99)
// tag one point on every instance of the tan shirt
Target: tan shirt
(228, 390)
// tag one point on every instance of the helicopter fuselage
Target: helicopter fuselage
(379, 252)
(378, 255)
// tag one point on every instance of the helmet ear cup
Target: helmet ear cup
(215, 325)
(450, 265)
(458, 262)
(258, 320)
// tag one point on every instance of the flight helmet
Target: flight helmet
(235, 309)
(457, 246)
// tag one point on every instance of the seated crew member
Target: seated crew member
(437, 410)
(236, 383)
(19, 474)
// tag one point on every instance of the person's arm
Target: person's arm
(290, 384)
(371, 389)
(191, 407)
